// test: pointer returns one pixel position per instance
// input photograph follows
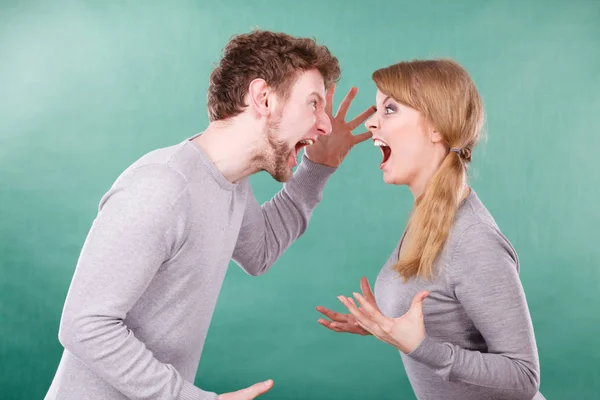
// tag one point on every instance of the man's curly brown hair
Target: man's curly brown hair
(276, 57)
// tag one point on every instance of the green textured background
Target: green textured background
(87, 87)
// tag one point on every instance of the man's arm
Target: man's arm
(269, 229)
(133, 234)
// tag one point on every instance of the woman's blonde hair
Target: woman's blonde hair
(449, 102)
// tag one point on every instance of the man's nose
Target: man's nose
(324, 124)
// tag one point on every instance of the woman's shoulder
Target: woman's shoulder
(472, 212)
(476, 239)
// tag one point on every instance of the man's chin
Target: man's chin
(282, 173)
(283, 176)
(281, 167)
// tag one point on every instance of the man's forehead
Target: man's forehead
(311, 83)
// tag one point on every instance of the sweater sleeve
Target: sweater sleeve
(137, 227)
(269, 229)
(484, 274)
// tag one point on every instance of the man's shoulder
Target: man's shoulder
(151, 177)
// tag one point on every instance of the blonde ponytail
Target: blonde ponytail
(432, 218)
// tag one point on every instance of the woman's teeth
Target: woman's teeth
(385, 150)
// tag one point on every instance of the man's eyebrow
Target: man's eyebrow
(319, 97)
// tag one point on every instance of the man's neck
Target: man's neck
(235, 151)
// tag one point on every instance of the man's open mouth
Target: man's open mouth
(299, 146)
(303, 143)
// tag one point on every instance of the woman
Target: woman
(458, 314)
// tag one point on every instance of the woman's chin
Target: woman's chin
(393, 179)
(388, 178)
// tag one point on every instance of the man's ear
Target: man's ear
(260, 97)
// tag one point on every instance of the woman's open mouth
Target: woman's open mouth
(385, 150)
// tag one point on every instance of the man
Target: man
(149, 274)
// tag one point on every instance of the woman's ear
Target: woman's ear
(434, 135)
